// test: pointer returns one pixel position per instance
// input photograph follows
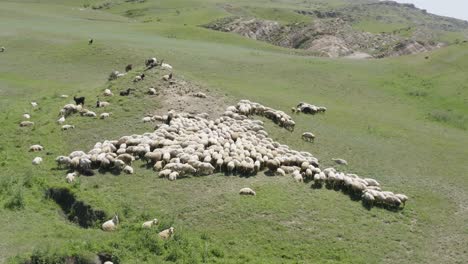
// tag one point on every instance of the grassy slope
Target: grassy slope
(375, 122)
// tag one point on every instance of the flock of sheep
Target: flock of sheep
(187, 144)
(184, 145)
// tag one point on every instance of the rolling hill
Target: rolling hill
(401, 120)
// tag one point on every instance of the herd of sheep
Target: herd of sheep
(191, 145)
(184, 145)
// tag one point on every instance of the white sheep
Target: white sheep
(152, 91)
(34, 104)
(67, 127)
(37, 161)
(127, 169)
(107, 92)
(166, 234)
(111, 225)
(104, 115)
(63, 96)
(149, 224)
(146, 119)
(340, 161)
(308, 136)
(88, 113)
(26, 116)
(247, 191)
(71, 177)
(26, 124)
(297, 176)
(35, 148)
(166, 66)
(199, 95)
(173, 176)
(61, 120)
(102, 104)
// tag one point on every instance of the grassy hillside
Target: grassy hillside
(402, 121)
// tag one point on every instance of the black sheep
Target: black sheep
(128, 68)
(125, 93)
(79, 100)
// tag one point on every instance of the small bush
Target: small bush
(16, 201)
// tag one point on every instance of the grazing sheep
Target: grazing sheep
(67, 127)
(152, 91)
(102, 104)
(107, 92)
(35, 148)
(138, 78)
(173, 176)
(166, 66)
(104, 115)
(63, 161)
(2, 49)
(151, 62)
(79, 100)
(125, 92)
(71, 177)
(368, 198)
(247, 191)
(167, 77)
(37, 161)
(281, 172)
(129, 67)
(127, 158)
(149, 224)
(127, 169)
(88, 113)
(26, 124)
(63, 96)
(307, 136)
(199, 95)
(166, 234)
(111, 225)
(297, 176)
(34, 104)
(90, 41)
(61, 120)
(26, 116)
(146, 119)
(340, 161)
(403, 198)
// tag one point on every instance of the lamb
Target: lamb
(104, 115)
(127, 169)
(102, 103)
(71, 177)
(166, 234)
(26, 124)
(61, 120)
(125, 93)
(67, 127)
(152, 91)
(111, 225)
(79, 100)
(37, 161)
(35, 148)
(26, 116)
(247, 191)
(107, 92)
(149, 224)
(307, 136)
(340, 161)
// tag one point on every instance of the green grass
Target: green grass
(400, 120)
